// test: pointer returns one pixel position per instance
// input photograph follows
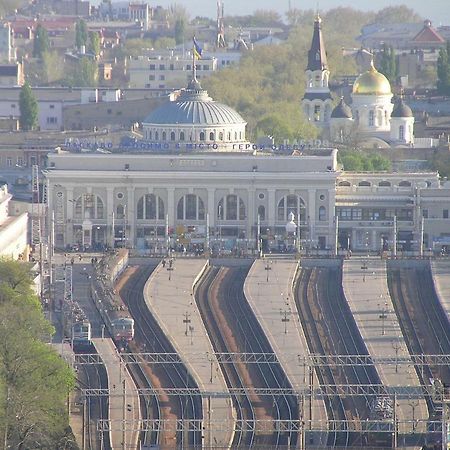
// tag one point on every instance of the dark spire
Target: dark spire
(317, 57)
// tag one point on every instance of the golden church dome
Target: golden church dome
(372, 82)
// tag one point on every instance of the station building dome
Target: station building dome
(194, 117)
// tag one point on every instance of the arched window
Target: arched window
(229, 135)
(211, 136)
(172, 135)
(156, 136)
(190, 207)
(316, 113)
(291, 204)
(181, 135)
(164, 136)
(262, 212)
(404, 184)
(120, 212)
(89, 206)
(364, 183)
(344, 183)
(220, 136)
(202, 135)
(401, 133)
(384, 184)
(150, 135)
(322, 213)
(150, 206)
(371, 118)
(235, 135)
(231, 207)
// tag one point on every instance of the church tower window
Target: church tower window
(371, 118)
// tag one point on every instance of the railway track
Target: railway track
(423, 321)
(221, 301)
(331, 330)
(149, 337)
(206, 299)
(96, 408)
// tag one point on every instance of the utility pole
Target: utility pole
(186, 321)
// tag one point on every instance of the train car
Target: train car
(81, 334)
(114, 312)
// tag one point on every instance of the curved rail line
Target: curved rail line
(206, 299)
(251, 338)
(422, 320)
(151, 338)
(331, 330)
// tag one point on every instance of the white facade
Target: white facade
(13, 229)
(161, 70)
(136, 199)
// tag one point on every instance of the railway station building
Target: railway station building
(195, 182)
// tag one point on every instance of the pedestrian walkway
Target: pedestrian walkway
(441, 276)
(123, 398)
(269, 291)
(169, 295)
(366, 290)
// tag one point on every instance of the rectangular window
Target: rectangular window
(205, 67)
(162, 67)
(151, 77)
(162, 77)
(425, 213)
(445, 214)
(52, 106)
(172, 67)
(152, 67)
(9, 161)
(20, 161)
(316, 113)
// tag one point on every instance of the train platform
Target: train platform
(440, 269)
(366, 289)
(169, 295)
(123, 399)
(269, 291)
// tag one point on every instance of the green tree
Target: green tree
(85, 73)
(363, 161)
(94, 43)
(28, 108)
(443, 70)
(41, 43)
(81, 34)
(388, 63)
(34, 380)
(180, 30)
(397, 14)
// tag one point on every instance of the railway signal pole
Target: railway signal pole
(285, 319)
(186, 321)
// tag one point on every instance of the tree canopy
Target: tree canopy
(28, 108)
(81, 34)
(443, 70)
(360, 161)
(41, 43)
(34, 380)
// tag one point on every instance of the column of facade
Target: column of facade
(311, 216)
(68, 235)
(171, 206)
(375, 242)
(331, 222)
(251, 214)
(109, 216)
(271, 207)
(211, 208)
(131, 217)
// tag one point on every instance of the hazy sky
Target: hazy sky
(438, 11)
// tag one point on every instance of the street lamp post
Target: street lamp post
(396, 344)
(383, 317)
(267, 269)
(285, 319)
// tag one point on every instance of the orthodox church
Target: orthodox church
(371, 118)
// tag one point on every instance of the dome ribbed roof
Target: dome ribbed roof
(401, 109)
(342, 111)
(194, 107)
(372, 82)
